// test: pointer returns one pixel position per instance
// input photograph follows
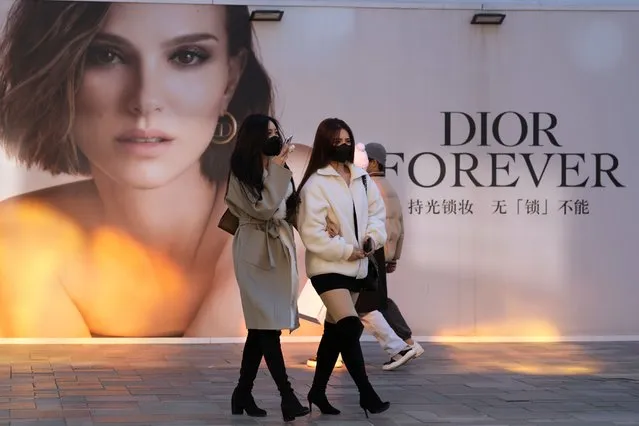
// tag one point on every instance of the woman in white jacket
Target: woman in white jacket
(336, 194)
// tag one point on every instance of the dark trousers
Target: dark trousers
(396, 320)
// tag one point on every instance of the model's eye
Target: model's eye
(103, 55)
(189, 56)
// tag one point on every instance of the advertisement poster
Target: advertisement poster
(511, 148)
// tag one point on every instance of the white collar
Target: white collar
(356, 172)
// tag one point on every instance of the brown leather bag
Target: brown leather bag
(229, 222)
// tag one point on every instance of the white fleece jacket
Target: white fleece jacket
(326, 196)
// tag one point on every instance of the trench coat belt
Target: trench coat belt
(271, 230)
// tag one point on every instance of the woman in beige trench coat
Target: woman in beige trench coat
(261, 194)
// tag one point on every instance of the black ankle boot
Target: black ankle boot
(350, 330)
(242, 401)
(242, 398)
(291, 406)
(327, 354)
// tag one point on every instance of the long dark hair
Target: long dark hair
(42, 55)
(326, 133)
(246, 159)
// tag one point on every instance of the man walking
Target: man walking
(393, 248)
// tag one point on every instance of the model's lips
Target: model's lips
(144, 136)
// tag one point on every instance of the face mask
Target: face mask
(341, 153)
(272, 146)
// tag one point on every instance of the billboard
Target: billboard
(511, 148)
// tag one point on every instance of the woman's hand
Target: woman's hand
(281, 158)
(332, 229)
(357, 255)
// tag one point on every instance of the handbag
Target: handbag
(228, 222)
(371, 282)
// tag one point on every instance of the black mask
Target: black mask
(272, 146)
(341, 153)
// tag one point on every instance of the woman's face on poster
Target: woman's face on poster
(157, 77)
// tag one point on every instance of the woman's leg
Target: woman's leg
(327, 354)
(242, 399)
(340, 304)
(272, 349)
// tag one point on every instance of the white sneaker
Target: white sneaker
(400, 359)
(312, 362)
(418, 349)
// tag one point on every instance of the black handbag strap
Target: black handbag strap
(354, 212)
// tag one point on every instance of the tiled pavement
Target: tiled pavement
(472, 384)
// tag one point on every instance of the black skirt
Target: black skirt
(326, 282)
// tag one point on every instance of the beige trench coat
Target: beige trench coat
(265, 270)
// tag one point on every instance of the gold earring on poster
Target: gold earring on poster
(225, 130)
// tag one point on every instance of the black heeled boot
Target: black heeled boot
(350, 330)
(291, 406)
(242, 398)
(327, 354)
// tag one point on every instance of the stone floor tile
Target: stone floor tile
(462, 385)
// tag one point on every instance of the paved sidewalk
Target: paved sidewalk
(472, 384)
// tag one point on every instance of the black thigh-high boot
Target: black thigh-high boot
(327, 354)
(272, 349)
(242, 399)
(350, 330)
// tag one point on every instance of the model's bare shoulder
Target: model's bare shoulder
(38, 240)
(59, 195)
(78, 201)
